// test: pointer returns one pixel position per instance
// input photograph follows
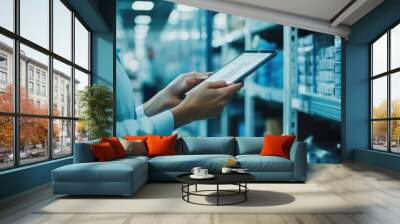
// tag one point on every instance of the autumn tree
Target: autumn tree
(33, 131)
(380, 127)
(6, 122)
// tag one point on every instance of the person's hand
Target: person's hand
(206, 101)
(172, 95)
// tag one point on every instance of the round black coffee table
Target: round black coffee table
(238, 179)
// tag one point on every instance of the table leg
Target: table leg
(182, 190)
(188, 189)
(245, 193)
(195, 188)
(217, 194)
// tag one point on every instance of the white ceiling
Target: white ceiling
(325, 16)
(321, 9)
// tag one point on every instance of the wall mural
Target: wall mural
(154, 48)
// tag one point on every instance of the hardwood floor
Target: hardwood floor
(377, 188)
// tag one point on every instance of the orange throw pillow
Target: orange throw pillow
(116, 145)
(277, 145)
(161, 145)
(103, 152)
(136, 138)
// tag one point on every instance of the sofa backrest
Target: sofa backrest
(249, 145)
(206, 145)
(83, 152)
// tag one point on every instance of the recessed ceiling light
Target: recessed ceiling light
(142, 19)
(142, 5)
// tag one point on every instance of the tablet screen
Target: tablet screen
(240, 66)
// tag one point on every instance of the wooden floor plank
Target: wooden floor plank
(377, 191)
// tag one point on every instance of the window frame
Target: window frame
(16, 115)
(388, 74)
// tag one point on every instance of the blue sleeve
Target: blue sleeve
(160, 124)
(140, 112)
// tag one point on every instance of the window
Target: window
(81, 45)
(7, 14)
(30, 87)
(35, 21)
(37, 89)
(7, 72)
(44, 115)
(62, 137)
(44, 91)
(62, 73)
(3, 78)
(30, 72)
(37, 75)
(6, 142)
(3, 61)
(385, 95)
(33, 139)
(81, 81)
(62, 29)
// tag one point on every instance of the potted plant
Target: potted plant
(96, 104)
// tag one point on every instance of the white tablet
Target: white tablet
(241, 67)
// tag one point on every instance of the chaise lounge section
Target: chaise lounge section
(125, 176)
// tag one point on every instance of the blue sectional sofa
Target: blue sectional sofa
(125, 176)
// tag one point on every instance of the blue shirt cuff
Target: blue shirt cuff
(163, 123)
(140, 112)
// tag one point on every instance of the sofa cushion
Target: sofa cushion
(185, 163)
(275, 145)
(103, 152)
(116, 145)
(112, 171)
(257, 163)
(249, 145)
(207, 145)
(136, 147)
(161, 145)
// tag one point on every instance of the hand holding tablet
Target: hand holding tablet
(241, 67)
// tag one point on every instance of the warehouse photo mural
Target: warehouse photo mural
(298, 92)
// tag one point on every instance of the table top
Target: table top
(220, 178)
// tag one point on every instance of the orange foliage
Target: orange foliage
(33, 130)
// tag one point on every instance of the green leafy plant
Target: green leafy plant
(96, 103)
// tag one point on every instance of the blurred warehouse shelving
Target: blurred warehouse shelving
(301, 84)
(195, 35)
(304, 77)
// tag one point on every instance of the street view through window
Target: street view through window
(385, 92)
(38, 118)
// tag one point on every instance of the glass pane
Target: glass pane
(379, 135)
(62, 89)
(35, 21)
(379, 97)
(379, 55)
(395, 136)
(34, 92)
(81, 81)
(81, 131)
(62, 138)
(6, 142)
(33, 139)
(62, 29)
(395, 47)
(395, 95)
(81, 45)
(6, 74)
(7, 14)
